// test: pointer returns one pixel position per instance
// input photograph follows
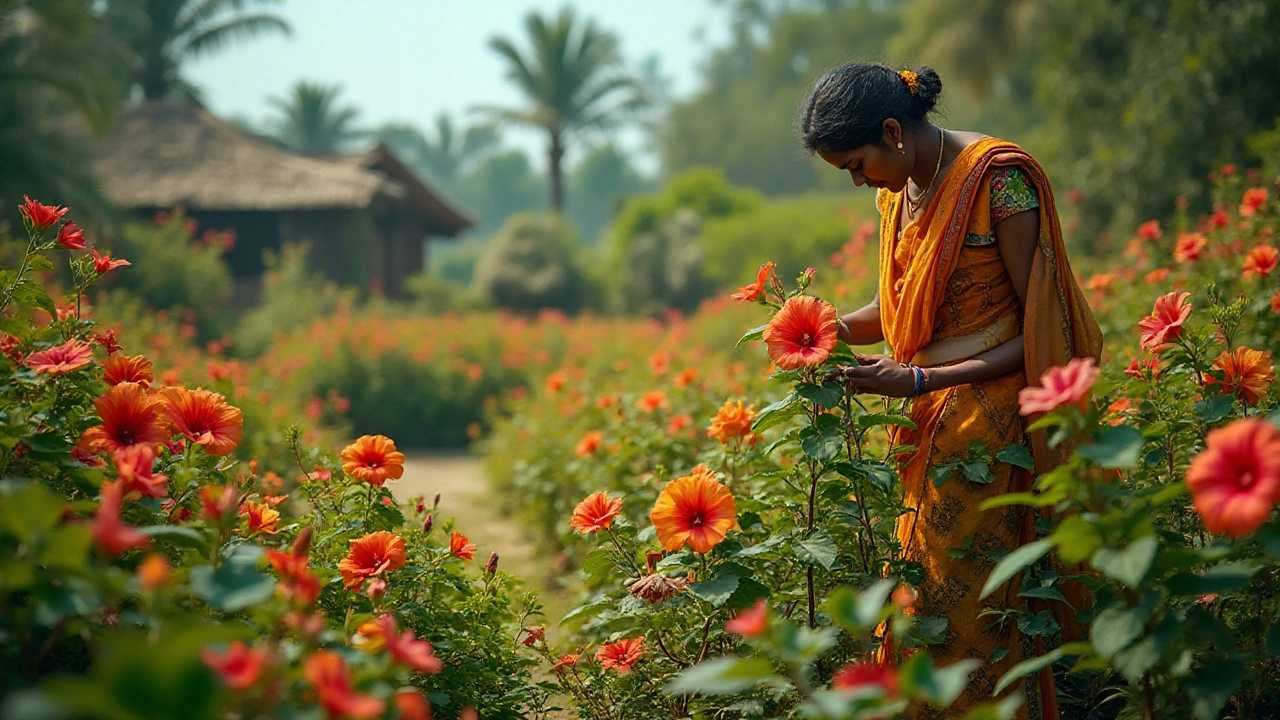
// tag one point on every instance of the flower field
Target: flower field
(729, 502)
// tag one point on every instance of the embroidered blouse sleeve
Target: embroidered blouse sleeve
(1011, 193)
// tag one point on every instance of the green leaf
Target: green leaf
(231, 587)
(977, 471)
(174, 534)
(67, 548)
(869, 609)
(1115, 627)
(871, 420)
(818, 549)
(1014, 563)
(1040, 624)
(1137, 659)
(1219, 578)
(1027, 667)
(30, 512)
(777, 413)
(597, 566)
(718, 588)
(1019, 455)
(821, 445)
(721, 676)
(1045, 593)
(40, 263)
(32, 295)
(946, 684)
(827, 395)
(1077, 539)
(1214, 409)
(1212, 685)
(1128, 564)
(47, 443)
(1115, 447)
(941, 473)
(746, 594)
(1045, 499)
(752, 334)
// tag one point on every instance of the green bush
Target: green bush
(292, 295)
(528, 265)
(663, 267)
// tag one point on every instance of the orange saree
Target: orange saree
(936, 285)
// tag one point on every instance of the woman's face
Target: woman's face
(879, 165)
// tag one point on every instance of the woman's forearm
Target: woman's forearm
(862, 326)
(1000, 360)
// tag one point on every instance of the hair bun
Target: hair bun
(929, 88)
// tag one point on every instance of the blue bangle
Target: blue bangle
(919, 380)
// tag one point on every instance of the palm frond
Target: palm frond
(217, 37)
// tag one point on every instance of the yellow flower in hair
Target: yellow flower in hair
(912, 80)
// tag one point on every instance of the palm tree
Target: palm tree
(445, 155)
(312, 121)
(570, 77)
(166, 33)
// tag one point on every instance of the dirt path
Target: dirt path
(466, 497)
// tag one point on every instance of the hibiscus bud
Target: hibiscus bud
(426, 524)
(303, 542)
(435, 503)
(377, 589)
(153, 573)
(386, 501)
(421, 508)
(492, 566)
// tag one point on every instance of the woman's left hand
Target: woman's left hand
(880, 375)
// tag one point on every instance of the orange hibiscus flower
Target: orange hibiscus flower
(733, 421)
(1254, 198)
(411, 705)
(1165, 322)
(802, 334)
(589, 443)
(461, 547)
(1235, 481)
(240, 667)
(329, 675)
(695, 509)
(1261, 261)
(755, 290)
(129, 417)
(369, 556)
(595, 513)
(205, 418)
(621, 655)
(134, 465)
(1061, 385)
(65, 358)
(373, 459)
(261, 518)
(653, 400)
(119, 368)
(1189, 247)
(1246, 372)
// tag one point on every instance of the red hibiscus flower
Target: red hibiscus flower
(134, 464)
(1253, 200)
(756, 290)
(407, 649)
(1164, 324)
(867, 675)
(1062, 385)
(103, 264)
(1235, 481)
(40, 217)
(750, 623)
(240, 667)
(1260, 262)
(1189, 247)
(461, 547)
(622, 655)
(329, 675)
(71, 237)
(112, 536)
(129, 417)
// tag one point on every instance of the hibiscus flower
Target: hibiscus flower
(861, 675)
(589, 443)
(329, 675)
(755, 290)
(1235, 481)
(1189, 247)
(205, 418)
(39, 216)
(120, 368)
(461, 547)
(134, 465)
(595, 513)
(1164, 324)
(373, 459)
(802, 334)
(240, 667)
(129, 417)
(407, 649)
(68, 357)
(751, 622)
(1245, 372)
(371, 555)
(112, 536)
(732, 421)
(695, 509)
(621, 655)
(1061, 385)
(1261, 261)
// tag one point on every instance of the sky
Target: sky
(409, 60)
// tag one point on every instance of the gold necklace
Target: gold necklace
(915, 204)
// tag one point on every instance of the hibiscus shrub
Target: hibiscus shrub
(148, 573)
(731, 598)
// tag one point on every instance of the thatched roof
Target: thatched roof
(449, 220)
(164, 155)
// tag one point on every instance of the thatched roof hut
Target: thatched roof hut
(365, 216)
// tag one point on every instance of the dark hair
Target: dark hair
(848, 106)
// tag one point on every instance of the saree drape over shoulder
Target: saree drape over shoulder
(943, 286)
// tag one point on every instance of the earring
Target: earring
(904, 152)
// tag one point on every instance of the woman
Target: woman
(975, 301)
